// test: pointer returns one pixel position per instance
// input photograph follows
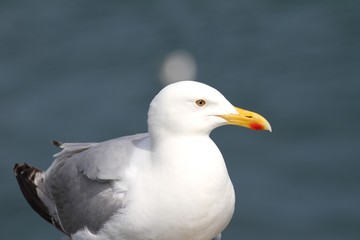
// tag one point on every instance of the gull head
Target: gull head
(193, 108)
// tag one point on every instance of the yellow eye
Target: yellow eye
(200, 102)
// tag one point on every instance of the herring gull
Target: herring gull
(168, 184)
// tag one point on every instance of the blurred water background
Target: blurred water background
(86, 71)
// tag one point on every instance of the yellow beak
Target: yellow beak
(247, 119)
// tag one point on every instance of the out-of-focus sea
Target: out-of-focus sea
(86, 71)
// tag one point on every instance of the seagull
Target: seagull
(168, 184)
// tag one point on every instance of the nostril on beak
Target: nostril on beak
(248, 116)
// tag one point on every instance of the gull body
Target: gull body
(168, 184)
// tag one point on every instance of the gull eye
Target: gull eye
(200, 102)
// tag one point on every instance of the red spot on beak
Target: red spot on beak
(256, 126)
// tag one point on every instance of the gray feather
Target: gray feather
(93, 168)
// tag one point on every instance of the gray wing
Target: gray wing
(80, 182)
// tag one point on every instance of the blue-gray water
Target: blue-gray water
(86, 71)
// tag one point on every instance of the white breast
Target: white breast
(190, 188)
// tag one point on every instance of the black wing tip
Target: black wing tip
(25, 176)
(57, 143)
(25, 170)
(18, 167)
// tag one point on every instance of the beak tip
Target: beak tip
(260, 126)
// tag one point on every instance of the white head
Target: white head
(194, 108)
